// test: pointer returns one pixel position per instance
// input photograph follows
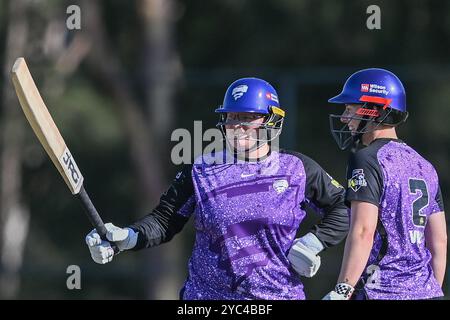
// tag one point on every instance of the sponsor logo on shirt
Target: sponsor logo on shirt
(239, 91)
(280, 186)
(357, 180)
(246, 175)
(335, 182)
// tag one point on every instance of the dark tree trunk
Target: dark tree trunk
(14, 215)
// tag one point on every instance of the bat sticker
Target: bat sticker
(71, 170)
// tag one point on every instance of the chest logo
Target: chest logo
(280, 186)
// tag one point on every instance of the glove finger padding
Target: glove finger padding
(93, 238)
(303, 260)
(102, 253)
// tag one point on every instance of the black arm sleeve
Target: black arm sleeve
(439, 199)
(166, 219)
(365, 178)
(327, 195)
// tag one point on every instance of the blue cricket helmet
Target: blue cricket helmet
(250, 95)
(383, 101)
(253, 95)
(376, 86)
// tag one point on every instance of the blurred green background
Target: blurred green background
(137, 70)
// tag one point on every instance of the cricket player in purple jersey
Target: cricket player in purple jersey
(247, 205)
(397, 244)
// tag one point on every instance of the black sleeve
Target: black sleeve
(326, 195)
(365, 178)
(171, 214)
(439, 199)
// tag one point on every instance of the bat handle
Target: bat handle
(95, 218)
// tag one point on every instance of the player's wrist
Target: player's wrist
(123, 238)
(344, 289)
(132, 239)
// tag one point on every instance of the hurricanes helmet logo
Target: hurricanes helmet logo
(239, 91)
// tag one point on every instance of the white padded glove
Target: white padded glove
(101, 251)
(303, 255)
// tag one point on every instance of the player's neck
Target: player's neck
(381, 133)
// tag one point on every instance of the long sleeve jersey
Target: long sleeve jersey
(246, 217)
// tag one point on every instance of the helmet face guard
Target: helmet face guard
(366, 114)
(261, 133)
(341, 132)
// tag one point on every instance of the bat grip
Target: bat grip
(95, 218)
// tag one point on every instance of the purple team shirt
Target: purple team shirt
(246, 218)
(409, 195)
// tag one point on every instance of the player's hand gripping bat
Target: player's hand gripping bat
(48, 134)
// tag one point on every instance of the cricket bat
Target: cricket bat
(48, 134)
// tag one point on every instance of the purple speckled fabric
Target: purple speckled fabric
(405, 271)
(246, 218)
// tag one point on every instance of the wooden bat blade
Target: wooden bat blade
(43, 125)
(48, 134)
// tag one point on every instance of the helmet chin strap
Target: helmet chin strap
(360, 131)
(364, 123)
(352, 141)
(357, 138)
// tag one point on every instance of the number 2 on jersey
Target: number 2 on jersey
(416, 185)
